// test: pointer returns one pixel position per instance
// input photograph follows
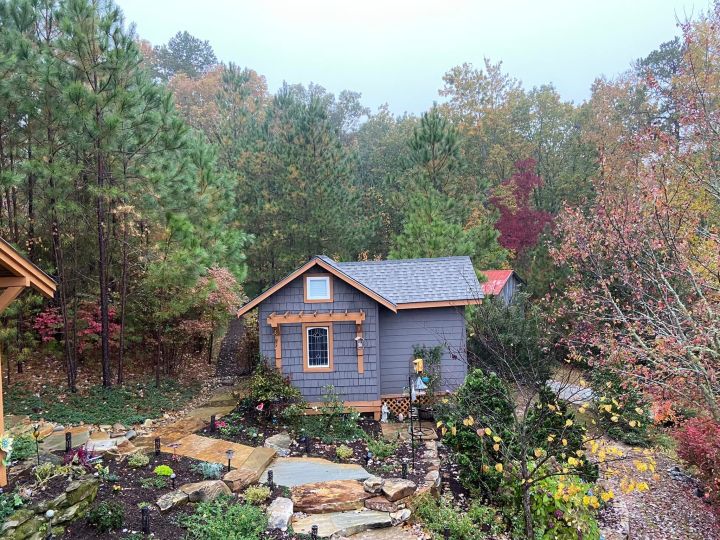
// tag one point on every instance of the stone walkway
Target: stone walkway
(291, 472)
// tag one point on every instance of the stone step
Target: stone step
(209, 449)
(342, 523)
(290, 472)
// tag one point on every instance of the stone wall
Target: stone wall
(33, 522)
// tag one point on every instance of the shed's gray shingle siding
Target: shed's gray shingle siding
(401, 331)
(350, 384)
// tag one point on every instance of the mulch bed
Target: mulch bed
(163, 525)
(246, 426)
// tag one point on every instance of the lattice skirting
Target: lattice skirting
(401, 404)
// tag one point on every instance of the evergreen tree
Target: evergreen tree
(434, 228)
(183, 53)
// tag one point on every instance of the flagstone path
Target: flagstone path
(290, 472)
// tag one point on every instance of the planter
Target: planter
(426, 413)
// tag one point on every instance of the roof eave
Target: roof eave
(316, 261)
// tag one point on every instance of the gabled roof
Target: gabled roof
(496, 280)
(398, 284)
(416, 281)
(17, 271)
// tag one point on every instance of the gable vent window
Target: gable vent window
(318, 289)
(318, 346)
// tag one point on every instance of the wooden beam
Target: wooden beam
(3, 471)
(278, 347)
(8, 295)
(274, 320)
(14, 281)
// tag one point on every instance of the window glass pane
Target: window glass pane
(317, 343)
(318, 288)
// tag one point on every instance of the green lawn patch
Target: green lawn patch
(129, 404)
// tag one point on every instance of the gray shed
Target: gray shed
(354, 324)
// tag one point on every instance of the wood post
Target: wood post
(3, 472)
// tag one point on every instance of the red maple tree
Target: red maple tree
(520, 223)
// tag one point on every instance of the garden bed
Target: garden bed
(122, 485)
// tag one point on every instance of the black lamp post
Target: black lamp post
(270, 480)
(36, 436)
(314, 532)
(68, 442)
(157, 446)
(172, 479)
(229, 453)
(145, 519)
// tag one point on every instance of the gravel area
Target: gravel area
(671, 510)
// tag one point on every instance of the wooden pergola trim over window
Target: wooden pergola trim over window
(16, 274)
(314, 317)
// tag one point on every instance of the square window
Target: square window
(318, 288)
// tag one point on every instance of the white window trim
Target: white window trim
(326, 279)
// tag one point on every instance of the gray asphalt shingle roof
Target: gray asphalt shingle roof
(416, 280)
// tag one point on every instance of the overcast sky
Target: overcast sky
(396, 51)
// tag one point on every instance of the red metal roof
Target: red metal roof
(496, 280)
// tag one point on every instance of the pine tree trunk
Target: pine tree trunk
(31, 211)
(70, 363)
(123, 299)
(102, 259)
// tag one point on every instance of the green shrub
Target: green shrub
(156, 482)
(268, 384)
(624, 414)
(106, 516)
(138, 460)
(564, 509)
(256, 494)
(486, 399)
(479, 523)
(9, 502)
(23, 447)
(333, 423)
(163, 470)
(210, 471)
(548, 421)
(222, 519)
(343, 452)
(380, 448)
(507, 339)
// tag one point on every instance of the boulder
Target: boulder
(172, 499)
(280, 443)
(433, 479)
(381, 504)
(401, 516)
(208, 490)
(398, 488)
(333, 496)
(239, 479)
(373, 484)
(279, 513)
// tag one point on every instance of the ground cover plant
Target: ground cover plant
(127, 405)
(223, 519)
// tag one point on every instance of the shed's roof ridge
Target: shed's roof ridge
(394, 261)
